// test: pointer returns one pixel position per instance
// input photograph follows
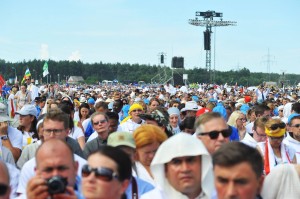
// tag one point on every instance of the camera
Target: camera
(57, 184)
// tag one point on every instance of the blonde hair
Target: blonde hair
(147, 134)
(210, 105)
(233, 117)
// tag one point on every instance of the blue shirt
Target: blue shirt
(235, 134)
(89, 130)
(142, 186)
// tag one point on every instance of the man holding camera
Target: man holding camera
(55, 172)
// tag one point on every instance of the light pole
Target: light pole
(15, 72)
(35, 74)
(50, 79)
(58, 79)
(208, 22)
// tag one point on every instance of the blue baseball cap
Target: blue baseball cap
(91, 101)
(292, 116)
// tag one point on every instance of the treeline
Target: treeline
(124, 72)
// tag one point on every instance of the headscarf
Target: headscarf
(284, 181)
(287, 110)
(180, 145)
(277, 133)
(132, 107)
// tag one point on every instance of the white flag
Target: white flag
(45, 69)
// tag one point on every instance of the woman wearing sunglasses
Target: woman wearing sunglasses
(107, 174)
(273, 150)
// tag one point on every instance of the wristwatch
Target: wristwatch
(4, 137)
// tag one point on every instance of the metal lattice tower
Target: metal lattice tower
(208, 22)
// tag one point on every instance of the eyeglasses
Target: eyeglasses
(100, 122)
(215, 134)
(137, 110)
(55, 131)
(3, 189)
(296, 125)
(242, 119)
(27, 79)
(101, 173)
(260, 135)
(276, 138)
(276, 126)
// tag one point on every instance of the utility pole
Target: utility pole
(269, 59)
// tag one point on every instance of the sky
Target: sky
(137, 31)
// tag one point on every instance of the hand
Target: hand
(37, 188)
(79, 124)
(70, 194)
(3, 128)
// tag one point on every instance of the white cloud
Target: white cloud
(44, 51)
(75, 56)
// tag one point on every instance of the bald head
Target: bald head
(51, 148)
(55, 158)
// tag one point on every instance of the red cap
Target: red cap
(202, 111)
(247, 98)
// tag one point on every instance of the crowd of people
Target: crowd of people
(123, 141)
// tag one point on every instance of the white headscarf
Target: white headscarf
(181, 145)
(282, 182)
(287, 110)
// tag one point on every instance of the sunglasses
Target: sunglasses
(3, 189)
(100, 122)
(27, 79)
(215, 134)
(102, 173)
(276, 126)
(137, 110)
(296, 125)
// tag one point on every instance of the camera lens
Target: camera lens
(56, 185)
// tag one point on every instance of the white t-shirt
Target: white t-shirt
(129, 126)
(76, 133)
(14, 174)
(27, 138)
(15, 137)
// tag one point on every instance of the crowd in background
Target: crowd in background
(157, 141)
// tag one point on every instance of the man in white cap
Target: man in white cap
(11, 138)
(190, 109)
(181, 168)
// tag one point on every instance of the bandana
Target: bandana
(271, 133)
